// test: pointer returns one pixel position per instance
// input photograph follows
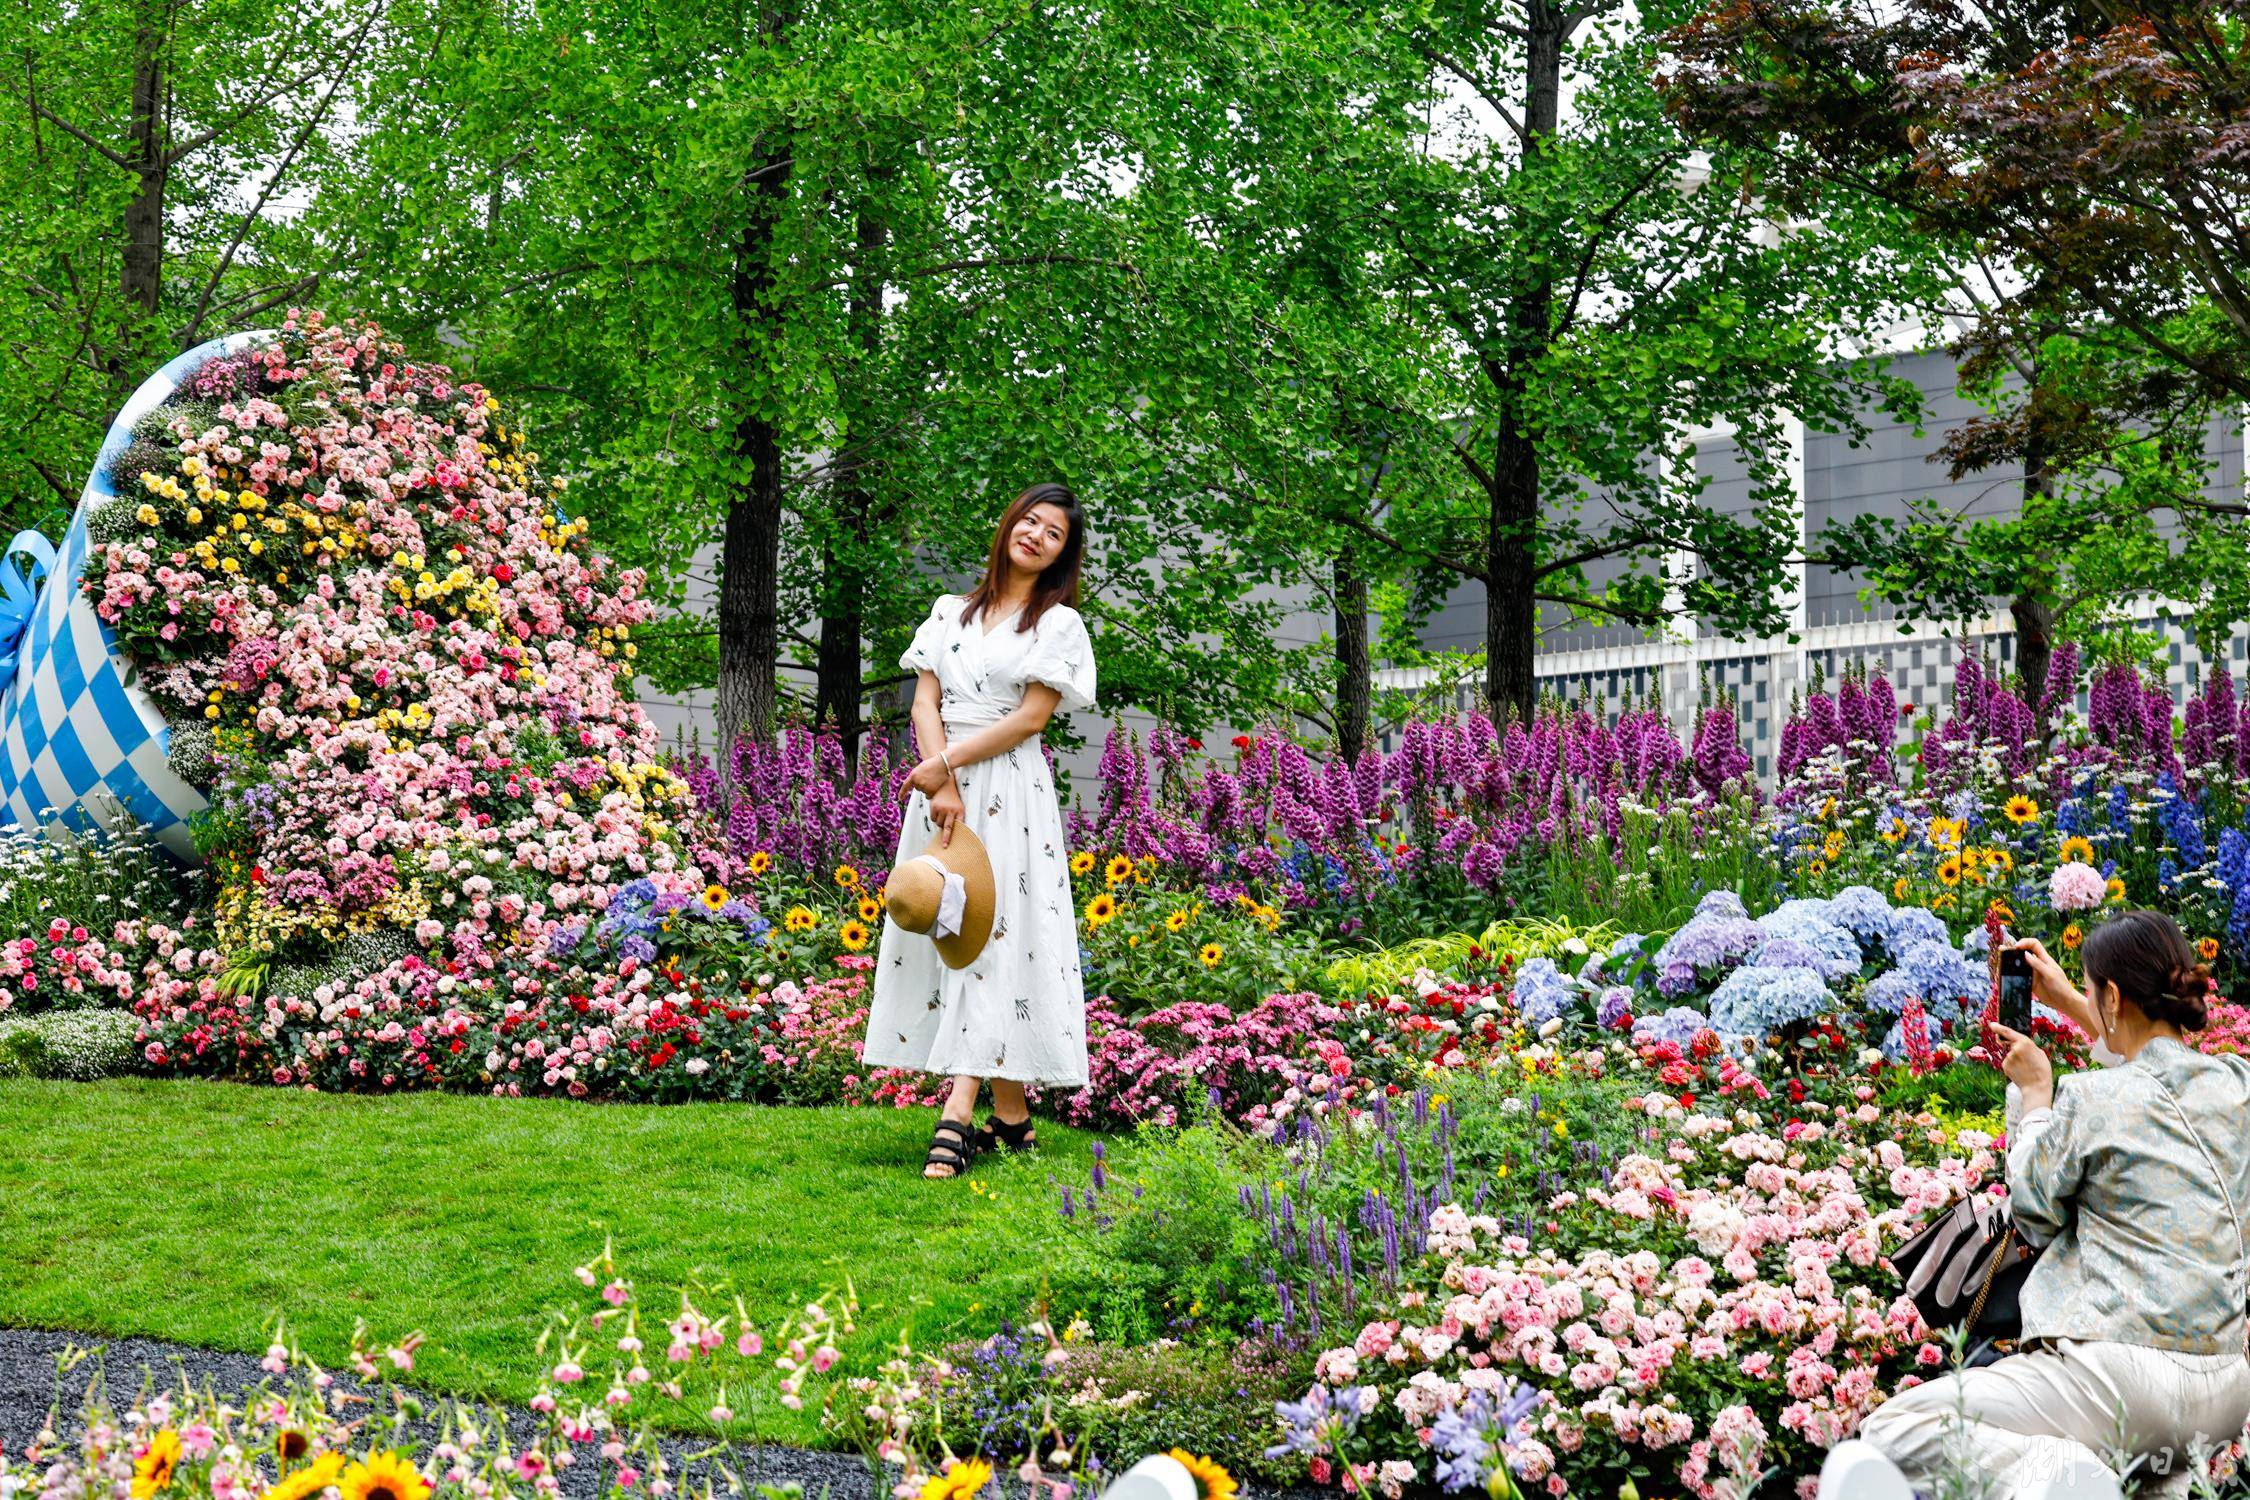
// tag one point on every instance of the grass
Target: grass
(197, 1212)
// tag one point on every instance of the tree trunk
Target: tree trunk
(142, 278)
(1511, 612)
(750, 558)
(1354, 684)
(844, 572)
(2033, 606)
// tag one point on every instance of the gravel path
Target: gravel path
(27, 1390)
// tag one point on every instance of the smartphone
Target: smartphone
(2015, 991)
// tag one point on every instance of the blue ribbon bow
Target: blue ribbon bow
(19, 592)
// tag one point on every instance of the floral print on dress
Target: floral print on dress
(1019, 1011)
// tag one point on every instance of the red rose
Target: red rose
(503, 572)
(1242, 742)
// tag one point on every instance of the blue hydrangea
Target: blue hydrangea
(1914, 924)
(1721, 903)
(1789, 953)
(1938, 975)
(1706, 944)
(1861, 911)
(1808, 923)
(563, 939)
(1755, 1002)
(1616, 1004)
(1677, 1025)
(1622, 962)
(1542, 993)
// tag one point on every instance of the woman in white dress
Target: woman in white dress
(994, 665)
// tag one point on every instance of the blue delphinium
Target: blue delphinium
(2234, 858)
(1757, 1002)
(2181, 823)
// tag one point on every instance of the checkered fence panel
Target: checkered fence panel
(82, 746)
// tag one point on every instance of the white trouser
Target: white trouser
(2019, 1420)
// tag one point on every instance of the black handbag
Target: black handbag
(1966, 1270)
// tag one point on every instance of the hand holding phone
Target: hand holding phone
(2015, 990)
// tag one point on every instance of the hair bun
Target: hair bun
(2189, 998)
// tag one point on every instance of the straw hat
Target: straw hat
(917, 886)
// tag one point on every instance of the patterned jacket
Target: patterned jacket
(2134, 1182)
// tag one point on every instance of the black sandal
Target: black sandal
(951, 1147)
(996, 1132)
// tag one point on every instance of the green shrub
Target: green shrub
(74, 1044)
(1163, 1249)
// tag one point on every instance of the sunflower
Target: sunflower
(714, 896)
(1833, 845)
(1177, 920)
(384, 1475)
(1210, 954)
(2115, 888)
(2001, 859)
(1815, 870)
(801, 919)
(869, 908)
(153, 1470)
(2077, 850)
(1945, 832)
(847, 877)
(309, 1480)
(2021, 810)
(2073, 935)
(853, 935)
(2207, 948)
(1942, 901)
(760, 862)
(1082, 863)
(1828, 809)
(1212, 1481)
(1899, 829)
(1949, 870)
(289, 1445)
(1100, 909)
(1118, 870)
(963, 1479)
(1898, 889)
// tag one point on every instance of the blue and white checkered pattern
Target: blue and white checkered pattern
(82, 747)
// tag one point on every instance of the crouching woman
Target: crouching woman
(2133, 1178)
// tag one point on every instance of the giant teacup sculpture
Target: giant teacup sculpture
(83, 748)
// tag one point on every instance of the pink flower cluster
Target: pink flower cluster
(1166, 1065)
(1727, 1269)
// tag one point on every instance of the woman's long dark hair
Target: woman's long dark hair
(1058, 581)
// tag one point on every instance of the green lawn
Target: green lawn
(196, 1212)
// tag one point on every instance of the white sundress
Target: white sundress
(1019, 1010)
